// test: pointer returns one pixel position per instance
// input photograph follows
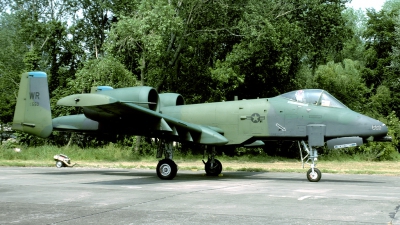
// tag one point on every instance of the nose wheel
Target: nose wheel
(313, 176)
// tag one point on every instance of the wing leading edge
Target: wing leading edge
(102, 108)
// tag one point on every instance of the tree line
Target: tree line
(207, 50)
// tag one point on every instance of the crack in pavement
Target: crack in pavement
(393, 215)
(149, 201)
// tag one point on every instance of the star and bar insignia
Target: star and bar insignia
(255, 118)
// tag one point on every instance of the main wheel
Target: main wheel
(59, 164)
(216, 168)
(314, 177)
(166, 169)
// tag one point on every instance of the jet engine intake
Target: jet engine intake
(171, 99)
(144, 96)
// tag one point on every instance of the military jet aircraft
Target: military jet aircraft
(313, 116)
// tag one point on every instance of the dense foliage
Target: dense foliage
(207, 50)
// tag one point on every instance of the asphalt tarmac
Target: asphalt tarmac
(131, 196)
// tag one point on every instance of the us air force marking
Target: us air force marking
(256, 118)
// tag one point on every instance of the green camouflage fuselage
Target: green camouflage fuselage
(245, 121)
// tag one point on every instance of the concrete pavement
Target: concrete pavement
(131, 196)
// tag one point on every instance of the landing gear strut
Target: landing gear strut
(166, 168)
(213, 166)
(313, 174)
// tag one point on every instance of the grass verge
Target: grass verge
(350, 167)
(113, 157)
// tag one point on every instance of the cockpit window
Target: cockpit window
(328, 100)
(314, 97)
(310, 96)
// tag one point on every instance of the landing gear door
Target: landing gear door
(316, 134)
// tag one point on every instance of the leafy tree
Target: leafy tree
(380, 103)
(172, 44)
(354, 47)
(391, 5)
(324, 29)
(105, 71)
(11, 65)
(92, 28)
(278, 39)
(379, 41)
(344, 81)
(394, 81)
(381, 52)
(143, 37)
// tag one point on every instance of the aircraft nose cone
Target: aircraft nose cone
(378, 128)
(385, 128)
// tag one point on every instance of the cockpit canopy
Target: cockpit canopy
(315, 97)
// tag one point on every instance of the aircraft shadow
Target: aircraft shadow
(144, 177)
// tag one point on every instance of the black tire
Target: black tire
(59, 164)
(314, 177)
(215, 170)
(166, 169)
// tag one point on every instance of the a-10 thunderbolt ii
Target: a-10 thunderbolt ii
(311, 116)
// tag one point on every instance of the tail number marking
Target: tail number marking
(34, 95)
(376, 127)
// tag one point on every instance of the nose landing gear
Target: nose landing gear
(313, 174)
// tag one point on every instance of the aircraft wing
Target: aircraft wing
(103, 107)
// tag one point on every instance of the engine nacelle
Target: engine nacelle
(171, 99)
(144, 96)
(344, 142)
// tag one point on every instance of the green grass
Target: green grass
(108, 153)
(112, 156)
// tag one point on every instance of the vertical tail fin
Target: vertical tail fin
(32, 112)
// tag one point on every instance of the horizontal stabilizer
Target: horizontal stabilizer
(82, 100)
(75, 122)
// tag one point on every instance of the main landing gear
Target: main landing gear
(167, 168)
(213, 166)
(313, 174)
